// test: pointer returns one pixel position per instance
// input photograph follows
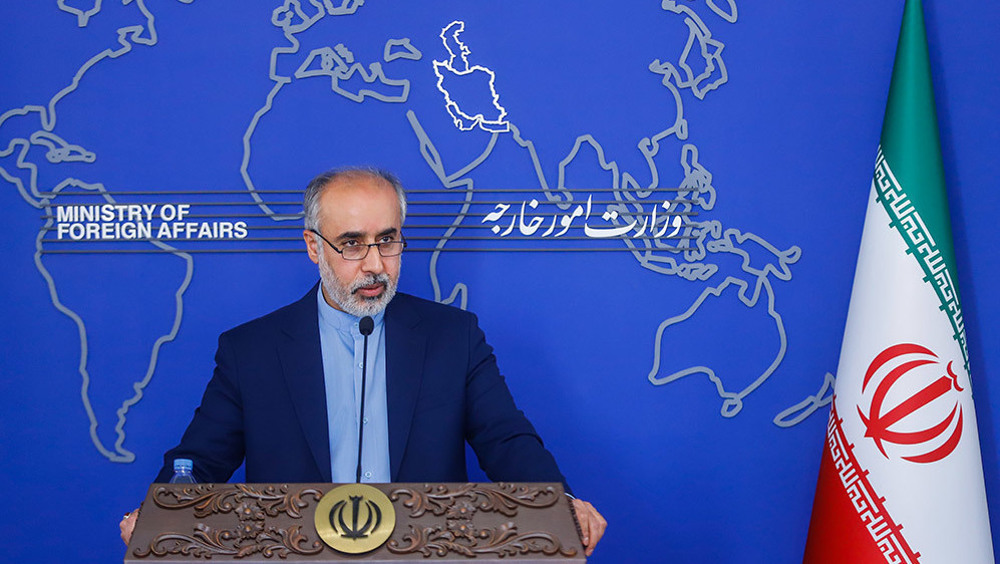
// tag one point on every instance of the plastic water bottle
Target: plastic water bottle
(182, 471)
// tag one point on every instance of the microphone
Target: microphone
(365, 326)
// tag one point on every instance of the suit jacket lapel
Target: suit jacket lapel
(405, 347)
(302, 368)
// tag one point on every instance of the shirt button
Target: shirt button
(365, 420)
(368, 474)
(360, 365)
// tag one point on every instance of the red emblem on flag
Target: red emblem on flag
(893, 413)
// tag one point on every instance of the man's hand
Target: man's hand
(128, 524)
(592, 524)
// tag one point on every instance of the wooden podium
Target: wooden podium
(257, 523)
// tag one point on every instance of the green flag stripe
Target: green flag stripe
(910, 138)
(921, 245)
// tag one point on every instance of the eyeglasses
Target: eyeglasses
(360, 252)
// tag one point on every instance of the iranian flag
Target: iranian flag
(901, 478)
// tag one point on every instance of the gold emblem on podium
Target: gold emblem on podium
(355, 518)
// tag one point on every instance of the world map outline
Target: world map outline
(710, 237)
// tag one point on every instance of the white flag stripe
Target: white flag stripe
(940, 505)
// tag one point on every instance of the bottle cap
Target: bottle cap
(183, 464)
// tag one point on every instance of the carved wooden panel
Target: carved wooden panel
(276, 523)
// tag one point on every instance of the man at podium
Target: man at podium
(355, 381)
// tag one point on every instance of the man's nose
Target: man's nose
(373, 262)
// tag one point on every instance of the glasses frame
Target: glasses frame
(367, 246)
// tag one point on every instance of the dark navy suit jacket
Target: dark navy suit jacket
(266, 402)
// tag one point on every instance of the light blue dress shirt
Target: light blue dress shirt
(343, 350)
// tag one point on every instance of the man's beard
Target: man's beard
(346, 296)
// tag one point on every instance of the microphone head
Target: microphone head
(366, 325)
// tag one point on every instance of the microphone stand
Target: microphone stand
(365, 326)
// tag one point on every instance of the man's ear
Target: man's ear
(311, 245)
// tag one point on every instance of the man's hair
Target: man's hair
(316, 187)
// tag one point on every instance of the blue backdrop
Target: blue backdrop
(540, 141)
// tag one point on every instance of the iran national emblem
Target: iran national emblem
(913, 404)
